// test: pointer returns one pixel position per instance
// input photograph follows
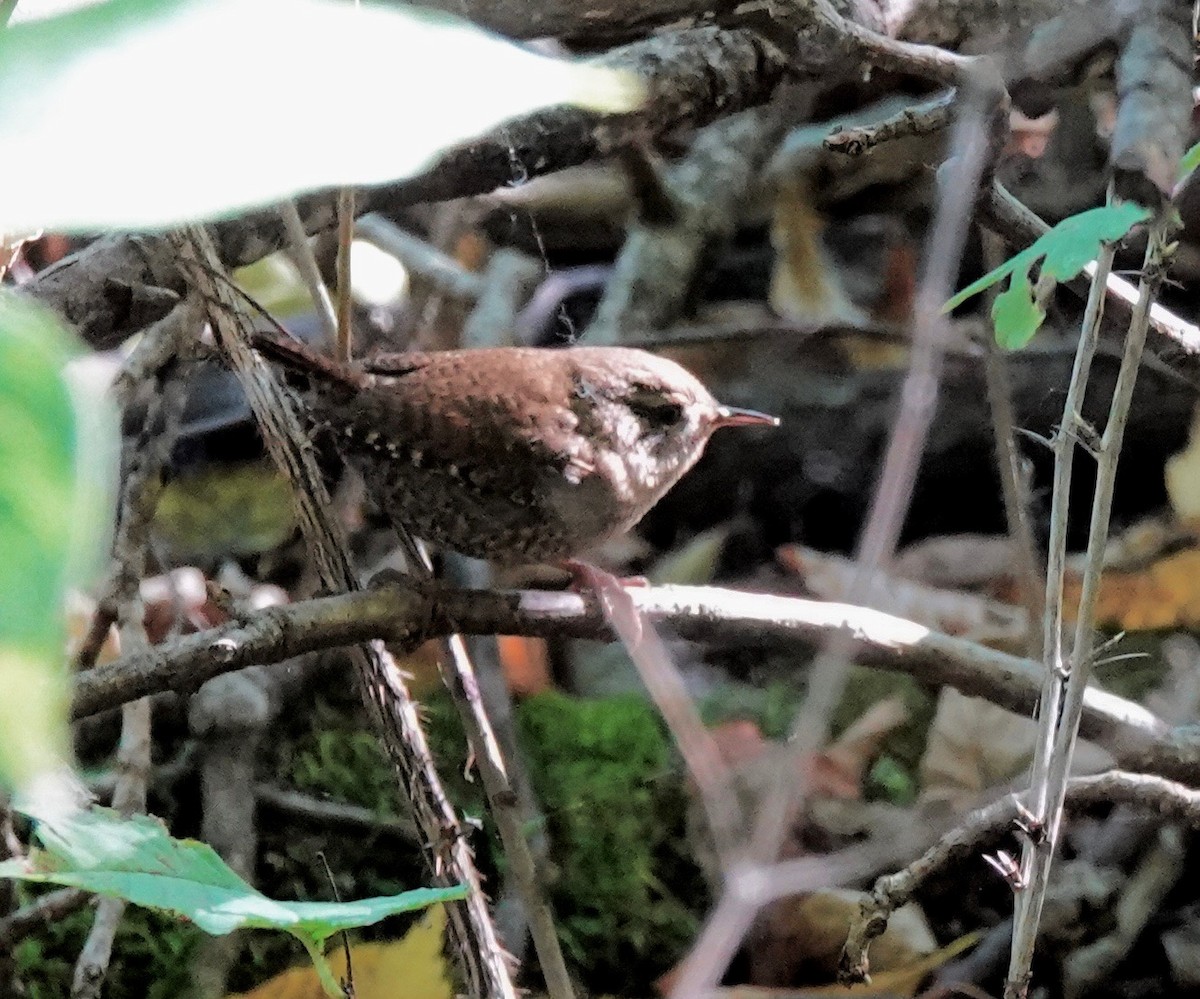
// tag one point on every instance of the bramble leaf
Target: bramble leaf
(136, 859)
(1064, 252)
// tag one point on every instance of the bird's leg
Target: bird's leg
(612, 593)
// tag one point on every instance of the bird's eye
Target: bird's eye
(655, 410)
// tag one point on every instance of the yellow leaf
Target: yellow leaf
(897, 982)
(805, 286)
(902, 981)
(414, 967)
(1182, 473)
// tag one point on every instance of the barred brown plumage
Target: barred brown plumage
(513, 454)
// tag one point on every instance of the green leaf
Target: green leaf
(1016, 314)
(144, 113)
(1191, 160)
(137, 860)
(57, 443)
(1064, 252)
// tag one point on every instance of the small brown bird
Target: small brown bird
(513, 454)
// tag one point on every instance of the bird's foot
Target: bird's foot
(612, 594)
(588, 578)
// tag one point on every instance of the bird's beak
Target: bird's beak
(729, 416)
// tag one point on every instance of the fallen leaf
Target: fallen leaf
(903, 981)
(974, 745)
(799, 940)
(805, 286)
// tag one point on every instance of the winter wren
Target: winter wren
(514, 454)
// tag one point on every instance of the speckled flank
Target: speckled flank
(513, 454)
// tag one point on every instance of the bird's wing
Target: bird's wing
(506, 409)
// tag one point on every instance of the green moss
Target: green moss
(609, 784)
(151, 955)
(606, 777)
(337, 757)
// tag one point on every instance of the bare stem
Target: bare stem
(708, 959)
(1063, 725)
(306, 263)
(344, 348)
(1013, 483)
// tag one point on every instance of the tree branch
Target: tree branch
(706, 614)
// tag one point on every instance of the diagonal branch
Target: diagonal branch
(119, 284)
(381, 682)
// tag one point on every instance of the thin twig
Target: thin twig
(668, 691)
(883, 52)
(348, 981)
(920, 119)
(306, 263)
(1013, 484)
(144, 458)
(709, 958)
(154, 353)
(702, 614)
(459, 675)
(1056, 559)
(343, 347)
(512, 917)
(421, 258)
(40, 913)
(321, 811)
(1164, 798)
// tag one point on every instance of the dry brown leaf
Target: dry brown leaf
(80, 611)
(1145, 542)
(957, 561)
(974, 745)
(904, 981)
(1165, 594)
(1163, 591)
(178, 602)
(840, 767)
(800, 939)
(1182, 474)
(421, 667)
(804, 283)
(1149, 583)
(834, 773)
